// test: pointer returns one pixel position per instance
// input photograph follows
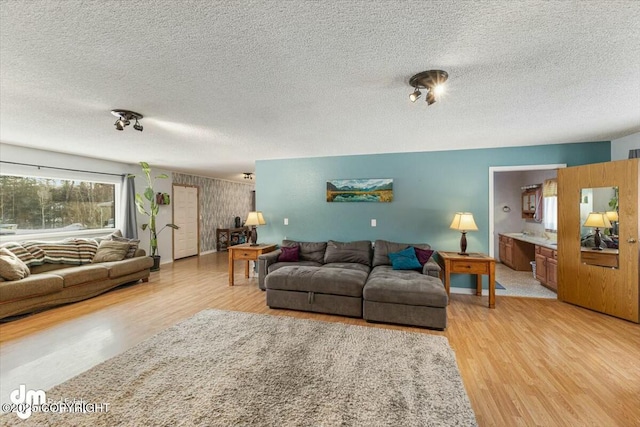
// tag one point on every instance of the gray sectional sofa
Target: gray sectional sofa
(355, 279)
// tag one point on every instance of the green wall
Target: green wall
(429, 187)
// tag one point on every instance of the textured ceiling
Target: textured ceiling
(224, 83)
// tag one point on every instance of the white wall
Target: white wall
(13, 153)
(620, 147)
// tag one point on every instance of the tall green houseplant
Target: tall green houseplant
(148, 205)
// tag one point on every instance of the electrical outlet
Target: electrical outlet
(374, 223)
(286, 221)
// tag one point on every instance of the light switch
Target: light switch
(286, 221)
(374, 223)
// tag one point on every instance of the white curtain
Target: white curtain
(550, 204)
(550, 217)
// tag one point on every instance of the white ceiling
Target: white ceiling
(224, 83)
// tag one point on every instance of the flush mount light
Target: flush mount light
(125, 117)
(432, 80)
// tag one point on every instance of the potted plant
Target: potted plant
(147, 204)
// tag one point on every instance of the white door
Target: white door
(185, 216)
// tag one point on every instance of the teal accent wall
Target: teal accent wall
(429, 187)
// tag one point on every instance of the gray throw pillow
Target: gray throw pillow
(133, 245)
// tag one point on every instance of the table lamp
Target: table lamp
(597, 220)
(463, 222)
(254, 219)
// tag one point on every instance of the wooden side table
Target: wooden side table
(478, 264)
(247, 253)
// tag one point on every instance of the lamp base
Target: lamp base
(254, 236)
(463, 244)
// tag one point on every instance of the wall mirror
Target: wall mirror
(599, 225)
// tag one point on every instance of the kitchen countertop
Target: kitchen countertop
(540, 241)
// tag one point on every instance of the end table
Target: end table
(247, 253)
(475, 263)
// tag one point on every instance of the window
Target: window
(40, 205)
(550, 208)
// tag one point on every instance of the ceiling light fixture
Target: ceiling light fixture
(432, 80)
(248, 175)
(125, 117)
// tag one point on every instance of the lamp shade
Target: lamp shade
(612, 215)
(463, 221)
(598, 220)
(255, 218)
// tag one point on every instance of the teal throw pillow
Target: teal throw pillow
(405, 260)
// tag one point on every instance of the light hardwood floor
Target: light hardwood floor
(527, 362)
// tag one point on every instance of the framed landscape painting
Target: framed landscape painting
(360, 190)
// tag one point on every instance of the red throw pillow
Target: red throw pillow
(289, 254)
(423, 255)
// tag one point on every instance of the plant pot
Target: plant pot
(156, 263)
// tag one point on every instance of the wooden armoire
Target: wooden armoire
(614, 291)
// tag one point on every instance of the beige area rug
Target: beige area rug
(223, 368)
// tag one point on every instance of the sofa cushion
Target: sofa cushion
(111, 251)
(82, 274)
(276, 265)
(404, 287)
(309, 251)
(348, 266)
(289, 254)
(12, 267)
(333, 281)
(128, 266)
(382, 249)
(423, 255)
(133, 245)
(34, 285)
(358, 251)
(26, 255)
(406, 259)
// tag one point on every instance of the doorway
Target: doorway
(505, 216)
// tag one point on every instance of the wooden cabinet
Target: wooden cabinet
(547, 267)
(532, 204)
(515, 253)
(226, 237)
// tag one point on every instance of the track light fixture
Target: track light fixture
(248, 175)
(432, 80)
(124, 119)
(415, 95)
